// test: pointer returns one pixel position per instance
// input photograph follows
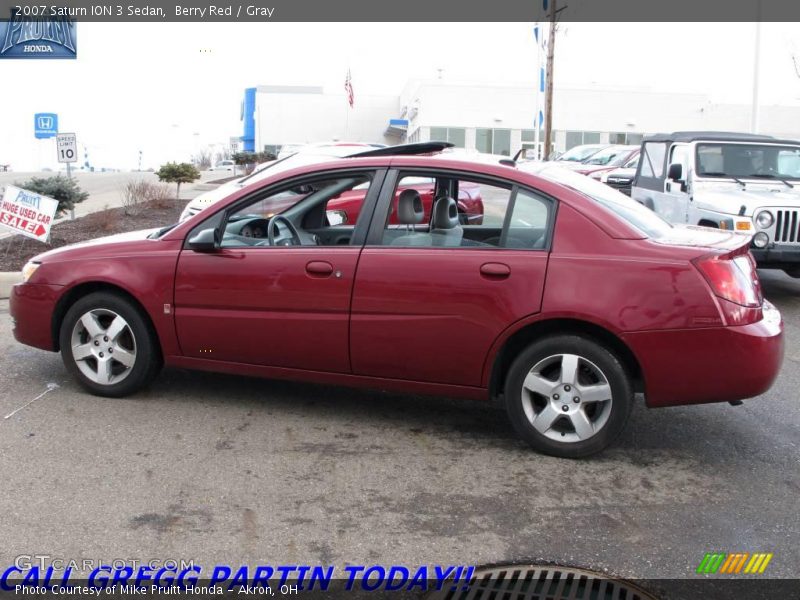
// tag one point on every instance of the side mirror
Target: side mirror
(675, 172)
(204, 241)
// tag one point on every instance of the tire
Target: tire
(89, 354)
(573, 421)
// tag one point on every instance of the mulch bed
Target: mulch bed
(17, 250)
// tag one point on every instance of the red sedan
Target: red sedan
(563, 302)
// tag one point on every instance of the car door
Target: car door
(278, 305)
(429, 302)
(675, 200)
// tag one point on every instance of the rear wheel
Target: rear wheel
(108, 346)
(568, 396)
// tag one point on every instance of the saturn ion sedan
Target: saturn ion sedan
(566, 300)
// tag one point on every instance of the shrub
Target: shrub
(64, 189)
(139, 193)
(178, 173)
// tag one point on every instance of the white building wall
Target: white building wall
(292, 115)
(300, 115)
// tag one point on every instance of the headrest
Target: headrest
(445, 213)
(409, 208)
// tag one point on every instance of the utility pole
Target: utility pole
(548, 91)
(756, 65)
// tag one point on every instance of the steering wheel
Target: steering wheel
(274, 223)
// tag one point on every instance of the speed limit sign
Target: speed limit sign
(67, 148)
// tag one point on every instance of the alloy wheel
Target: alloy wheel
(566, 398)
(103, 346)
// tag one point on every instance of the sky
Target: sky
(169, 89)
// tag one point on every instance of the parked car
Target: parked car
(565, 300)
(606, 160)
(224, 165)
(578, 154)
(621, 179)
(734, 181)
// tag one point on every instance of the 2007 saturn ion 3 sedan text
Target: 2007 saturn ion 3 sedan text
(565, 300)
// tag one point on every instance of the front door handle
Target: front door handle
(494, 270)
(319, 268)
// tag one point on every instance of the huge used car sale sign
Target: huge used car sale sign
(27, 213)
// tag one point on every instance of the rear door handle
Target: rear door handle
(319, 268)
(494, 270)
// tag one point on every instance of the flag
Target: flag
(348, 87)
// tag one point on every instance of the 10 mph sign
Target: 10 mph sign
(67, 147)
(27, 213)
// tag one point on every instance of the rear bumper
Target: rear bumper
(31, 307)
(717, 364)
(777, 257)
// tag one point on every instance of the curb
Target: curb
(7, 280)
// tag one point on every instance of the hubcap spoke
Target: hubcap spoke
(117, 326)
(92, 325)
(123, 356)
(569, 369)
(545, 419)
(104, 371)
(536, 383)
(596, 393)
(583, 426)
(82, 351)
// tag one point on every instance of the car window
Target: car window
(653, 159)
(447, 211)
(303, 214)
(767, 161)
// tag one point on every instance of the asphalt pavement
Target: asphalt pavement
(224, 469)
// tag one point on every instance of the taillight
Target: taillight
(733, 278)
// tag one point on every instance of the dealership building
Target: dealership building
(490, 118)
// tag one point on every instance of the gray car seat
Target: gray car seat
(410, 212)
(446, 229)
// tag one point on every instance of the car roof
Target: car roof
(714, 136)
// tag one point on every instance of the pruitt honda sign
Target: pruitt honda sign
(27, 213)
(37, 36)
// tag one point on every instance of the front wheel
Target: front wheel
(568, 396)
(108, 346)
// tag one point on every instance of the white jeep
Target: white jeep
(737, 181)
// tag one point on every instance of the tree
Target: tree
(64, 189)
(178, 173)
(250, 159)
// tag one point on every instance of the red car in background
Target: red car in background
(606, 160)
(566, 300)
(346, 207)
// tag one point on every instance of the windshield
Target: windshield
(644, 219)
(579, 153)
(612, 157)
(764, 161)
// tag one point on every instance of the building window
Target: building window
(632, 139)
(529, 135)
(454, 135)
(502, 142)
(483, 140)
(578, 138)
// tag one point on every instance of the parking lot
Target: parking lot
(227, 469)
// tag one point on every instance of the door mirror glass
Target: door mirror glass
(675, 172)
(204, 241)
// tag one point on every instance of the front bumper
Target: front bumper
(778, 256)
(31, 306)
(715, 364)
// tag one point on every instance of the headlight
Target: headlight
(760, 240)
(764, 219)
(29, 269)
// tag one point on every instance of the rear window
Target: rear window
(642, 218)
